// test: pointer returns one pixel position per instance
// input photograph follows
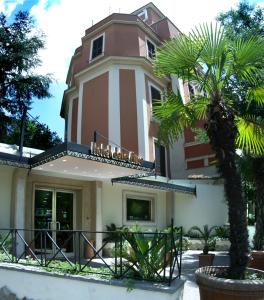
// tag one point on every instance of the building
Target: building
(111, 168)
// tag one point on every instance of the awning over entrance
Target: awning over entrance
(79, 160)
(155, 184)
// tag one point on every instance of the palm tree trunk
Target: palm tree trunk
(222, 133)
(258, 171)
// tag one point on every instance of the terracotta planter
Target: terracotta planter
(88, 249)
(214, 288)
(206, 260)
(257, 260)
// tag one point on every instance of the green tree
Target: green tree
(212, 62)
(248, 20)
(245, 20)
(37, 135)
(19, 46)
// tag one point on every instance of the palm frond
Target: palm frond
(256, 94)
(177, 55)
(199, 107)
(173, 116)
(250, 134)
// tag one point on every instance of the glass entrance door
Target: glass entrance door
(64, 220)
(54, 211)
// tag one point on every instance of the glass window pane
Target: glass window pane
(155, 95)
(151, 50)
(138, 210)
(97, 47)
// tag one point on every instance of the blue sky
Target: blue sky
(64, 23)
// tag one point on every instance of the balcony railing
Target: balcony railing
(150, 256)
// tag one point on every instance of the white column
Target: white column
(114, 107)
(142, 115)
(19, 203)
(177, 86)
(79, 118)
(69, 121)
(99, 222)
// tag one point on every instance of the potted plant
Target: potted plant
(110, 239)
(206, 234)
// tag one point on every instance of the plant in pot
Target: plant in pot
(110, 239)
(219, 67)
(206, 235)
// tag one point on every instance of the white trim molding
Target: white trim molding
(147, 50)
(91, 47)
(79, 118)
(69, 120)
(114, 135)
(139, 196)
(142, 115)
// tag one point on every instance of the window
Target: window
(151, 49)
(160, 158)
(138, 207)
(97, 47)
(155, 95)
(143, 15)
(138, 210)
(191, 90)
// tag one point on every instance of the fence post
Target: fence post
(41, 245)
(180, 265)
(13, 239)
(120, 253)
(116, 237)
(79, 250)
(165, 257)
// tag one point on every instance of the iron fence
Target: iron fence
(151, 256)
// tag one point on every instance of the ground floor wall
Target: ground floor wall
(6, 178)
(99, 203)
(208, 206)
(18, 283)
(114, 205)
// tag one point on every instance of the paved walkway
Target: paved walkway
(190, 264)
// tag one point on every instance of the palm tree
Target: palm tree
(207, 58)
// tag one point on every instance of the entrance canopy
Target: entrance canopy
(79, 160)
(156, 184)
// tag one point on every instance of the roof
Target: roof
(155, 184)
(149, 5)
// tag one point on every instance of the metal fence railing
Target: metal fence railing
(150, 256)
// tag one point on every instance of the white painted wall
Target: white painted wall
(207, 207)
(6, 176)
(112, 205)
(43, 287)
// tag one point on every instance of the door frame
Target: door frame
(54, 190)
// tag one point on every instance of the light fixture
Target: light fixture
(64, 160)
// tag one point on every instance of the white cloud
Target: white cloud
(64, 22)
(8, 6)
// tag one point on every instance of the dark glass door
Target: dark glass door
(64, 220)
(160, 159)
(43, 217)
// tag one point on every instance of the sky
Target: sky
(65, 21)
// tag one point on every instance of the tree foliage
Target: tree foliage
(244, 21)
(20, 43)
(218, 66)
(37, 135)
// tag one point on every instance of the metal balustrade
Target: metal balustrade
(151, 256)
